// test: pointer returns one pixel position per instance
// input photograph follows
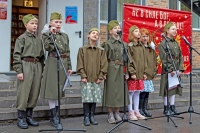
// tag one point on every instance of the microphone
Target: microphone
(163, 35)
(186, 41)
(119, 32)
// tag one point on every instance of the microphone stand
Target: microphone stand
(168, 114)
(190, 109)
(124, 118)
(67, 81)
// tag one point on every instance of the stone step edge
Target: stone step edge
(74, 109)
(74, 106)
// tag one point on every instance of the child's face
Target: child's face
(172, 31)
(145, 38)
(114, 30)
(32, 25)
(57, 23)
(94, 35)
(136, 33)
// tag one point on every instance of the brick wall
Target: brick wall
(103, 33)
(157, 3)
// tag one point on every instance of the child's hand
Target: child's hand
(20, 76)
(84, 80)
(104, 77)
(53, 30)
(145, 77)
(172, 73)
(69, 72)
(127, 76)
(98, 81)
(133, 77)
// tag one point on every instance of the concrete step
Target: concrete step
(77, 90)
(185, 93)
(10, 101)
(77, 109)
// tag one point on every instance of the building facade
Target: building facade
(93, 13)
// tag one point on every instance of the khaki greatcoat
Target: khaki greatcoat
(177, 57)
(49, 87)
(114, 84)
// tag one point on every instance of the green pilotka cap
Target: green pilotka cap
(93, 29)
(27, 18)
(112, 24)
(56, 15)
(167, 26)
(132, 28)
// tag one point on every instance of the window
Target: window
(175, 4)
(104, 8)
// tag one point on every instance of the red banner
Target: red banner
(154, 19)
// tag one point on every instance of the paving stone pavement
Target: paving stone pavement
(159, 125)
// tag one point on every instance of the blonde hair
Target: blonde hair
(131, 36)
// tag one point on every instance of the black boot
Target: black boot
(92, 111)
(165, 110)
(141, 104)
(29, 119)
(86, 110)
(21, 120)
(54, 118)
(56, 110)
(173, 109)
(147, 114)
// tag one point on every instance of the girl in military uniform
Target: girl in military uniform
(92, 67)
(151, 60)
(49, 89)
(114, 84)
(170, 31)
(28, 62)
(137, 71)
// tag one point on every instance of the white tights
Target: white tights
(52, 103)
(171, 100)
(136, 101)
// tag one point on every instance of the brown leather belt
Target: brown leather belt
(31, 59)
(174, 57)
(53, 54)
(116, 62)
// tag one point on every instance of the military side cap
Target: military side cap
(112, 24)
(56, 15)
(27, 18)
(167, 26)
(132, 28)
(93, 29)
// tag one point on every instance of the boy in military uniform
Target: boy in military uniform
(170, 31)
(49, 89)
(28, 62)
(92, 66)
(114, 83)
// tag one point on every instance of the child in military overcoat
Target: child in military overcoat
(170, 31)
(151, 59)
(49, 89)
(137, 71)
(114, 83)
(92, 67)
